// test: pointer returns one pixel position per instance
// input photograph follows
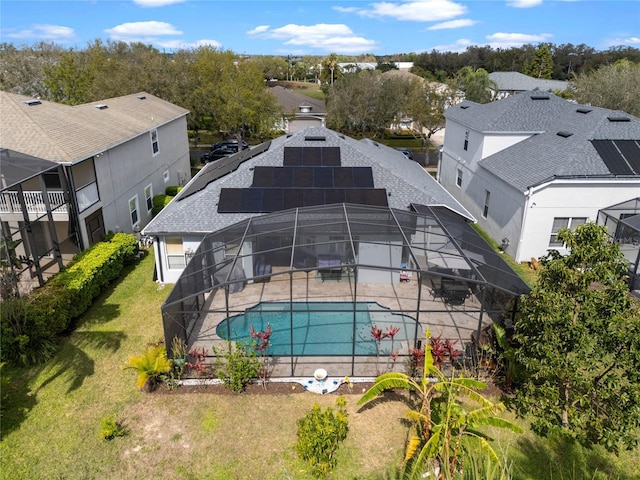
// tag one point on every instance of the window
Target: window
(154, 142)
(133, 211)
(466, 139)
(563, 222)
(148, 195)
(175, 253)
(487, 197)
(459, 178)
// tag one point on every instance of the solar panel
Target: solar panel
(355, 196)
(343, 177)
(323, 177)
(312, 156)
(313, 196)
(331, 156)
(631, 151)
(292, 156)
(262, 177)
(362, 177)
(251, 200)
(272, 200)
(335, 195)
(230, 200)
(612, 157)
(293, 198)
(302, 177)
(282, 177)
(376, 196)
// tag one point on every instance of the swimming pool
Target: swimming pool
(320, 328)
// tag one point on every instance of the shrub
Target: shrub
(110, 428)
(159, 202)
(150, 366)
(237, 366)
(172, 190)
(319, 435)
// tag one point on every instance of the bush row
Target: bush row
(30, 325)
(161, 201)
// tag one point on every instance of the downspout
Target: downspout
(527, 206)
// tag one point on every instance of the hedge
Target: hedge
(51, 310)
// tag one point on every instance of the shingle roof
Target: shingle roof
(545, 154)
(405, 180)
(518, 82)
(67, 134)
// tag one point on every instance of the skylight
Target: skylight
(33, 102)
(539, 97)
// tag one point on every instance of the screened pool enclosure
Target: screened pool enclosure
(322, 278)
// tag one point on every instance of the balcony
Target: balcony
(34, 201)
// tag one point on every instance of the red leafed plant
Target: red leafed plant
(261, 347)
(443, 349)
(197, 357)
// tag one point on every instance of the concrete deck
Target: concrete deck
(452, 322)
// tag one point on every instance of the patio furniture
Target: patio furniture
(454, 293)
(330, 267)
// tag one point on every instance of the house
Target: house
(79, 172)
(382, 176)
(532, 163)
(300, 111)
(353, 67)
(510, 83)
(320, 239)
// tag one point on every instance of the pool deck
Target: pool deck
(451, 322)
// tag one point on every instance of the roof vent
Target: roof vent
(583, 110)
(539, 97)
(619, 119)
(142, 97)
(564, 134)
(464, 107)
(33, 102)
(101, 106)
(311, 138)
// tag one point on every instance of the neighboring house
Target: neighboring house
(299, 110)
(532, 163)
(510, 83)
(352, 67)
(113, 156)
(262, 180)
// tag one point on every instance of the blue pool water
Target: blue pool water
(320, 328)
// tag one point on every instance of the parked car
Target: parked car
(218, 153)
(407, 152)
(231, 143)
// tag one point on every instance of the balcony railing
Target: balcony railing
(10, 203)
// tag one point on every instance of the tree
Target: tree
(578, 335)
(615, 86)
(426, 105)
(442, 425)
(330, 66)
(476, 84)
(541, 65)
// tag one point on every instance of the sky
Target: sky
(320, 27)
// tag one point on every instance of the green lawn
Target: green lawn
(51, 417)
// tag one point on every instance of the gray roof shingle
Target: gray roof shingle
(66, 134)
(518, 82)
(545, 154)
(405, 180)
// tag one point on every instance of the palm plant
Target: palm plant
(442, 426)
(150, 366)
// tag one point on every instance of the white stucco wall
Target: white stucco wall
(572, 199)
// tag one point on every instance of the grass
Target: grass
(51, 417)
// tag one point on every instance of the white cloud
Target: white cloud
(258, 30)
(181, 45)
(415, 11)
(509, 40)
(345, 9)
(323, 36)
(156, 3)
(45, 32)
(524, 3)
(463, 22)
(624, 41)
(146, 32)
(458, 46)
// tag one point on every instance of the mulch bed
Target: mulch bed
(271, 388)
